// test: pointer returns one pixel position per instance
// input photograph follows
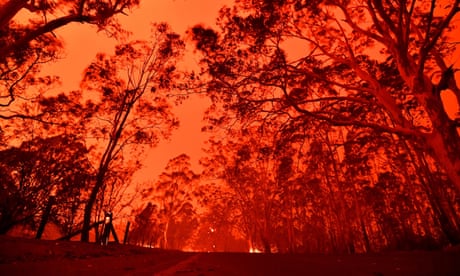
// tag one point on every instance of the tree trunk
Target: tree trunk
(89, 207)
(266, 244)
(290, 232)
(106, 159)
(165, 235)
(367, 243)
(443, 145)
(446, 222)
(444, 141)
(344, 225)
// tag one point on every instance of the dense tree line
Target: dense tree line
(367, 156)
(333, 195)
(328, 131)
(121, 108)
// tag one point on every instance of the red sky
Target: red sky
(82, 43)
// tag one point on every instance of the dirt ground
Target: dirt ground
(20, 256)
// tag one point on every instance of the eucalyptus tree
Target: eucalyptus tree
(398, 193)
(221, 217)
(441, 197)
(128, 108)
(27, 41)
(175, 194)
(146, 230)
(358, 59)
(252, 182)
(426, 207)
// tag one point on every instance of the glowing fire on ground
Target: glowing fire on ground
(254, 250)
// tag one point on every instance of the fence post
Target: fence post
(107, 228)
(125, 238)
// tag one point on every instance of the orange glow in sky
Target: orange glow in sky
(83, 42)
(343, 193)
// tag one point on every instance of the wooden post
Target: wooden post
(112, 229)
(125, 238)
(107, 228)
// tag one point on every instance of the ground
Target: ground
(19, 256)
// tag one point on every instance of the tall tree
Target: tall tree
(247, 166)
(146, 229)
(360, 59)
(176, 193)
(131, 107)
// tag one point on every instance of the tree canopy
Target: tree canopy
(374, 65)
(352, 90)
(327, 125)
(27, 41)
(132, 110)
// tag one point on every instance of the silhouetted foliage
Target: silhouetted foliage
(131, 109)
(171, 220)
(146, 229)
(27, 42)
(348, 87)
(336, 79)
(31, 172)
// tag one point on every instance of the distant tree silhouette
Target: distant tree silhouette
(146, 229)
(175, 192)
(169, 220)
